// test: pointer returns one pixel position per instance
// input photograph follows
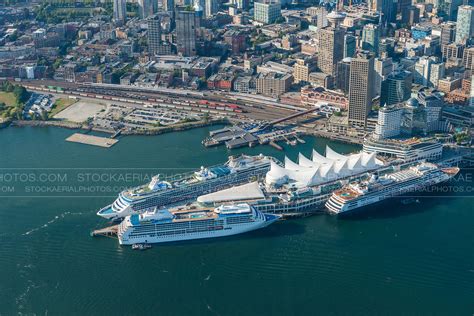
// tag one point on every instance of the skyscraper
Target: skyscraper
(396, 88)
(145, 8)
(168, 5)
(360, 88)
(120, 11)
(389, 10)
(154, 34)
(350, 45)
(370, 38)
(382, 68)
(186, 24)
(331, 44)
(465, 24)
(211, 7)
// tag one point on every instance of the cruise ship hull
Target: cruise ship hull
(334, 207)
(124, 206)
(226, 231)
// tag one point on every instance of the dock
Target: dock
(110, 231)
(92, 140)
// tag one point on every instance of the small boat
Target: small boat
(141, 246)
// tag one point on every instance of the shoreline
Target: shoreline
(74, 125)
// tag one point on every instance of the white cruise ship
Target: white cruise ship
(158, 193)
(166, 226)
(376, 189)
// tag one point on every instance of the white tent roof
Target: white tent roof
(321, 169)
(248, 191)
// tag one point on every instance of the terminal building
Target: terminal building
(412, 149)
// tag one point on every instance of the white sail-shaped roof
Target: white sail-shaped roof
(290, 165)
(320, 159)
(331, 154)
(305, 162)
(321, 169)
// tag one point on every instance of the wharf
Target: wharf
(92, 140)
(110, 231)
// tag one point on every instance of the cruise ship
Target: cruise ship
(163, 225)
(299, 189)
(158, 193)
(356, 195)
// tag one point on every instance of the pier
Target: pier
(92, 140)
(110, 231)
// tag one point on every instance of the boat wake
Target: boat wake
(55, 219)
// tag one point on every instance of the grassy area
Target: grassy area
(8, 98)
(60, 105)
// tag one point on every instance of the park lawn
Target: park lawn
(8, 98)
(60, 105)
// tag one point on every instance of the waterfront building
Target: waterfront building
(186, 25)
(370, 38)
(396, 87)
(267, 11)
(120, 11)
(360, 88)
(389, 121)
(409, 150)
(465, 24)
(273, 83)
(321, 169)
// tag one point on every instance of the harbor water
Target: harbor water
(393, 259)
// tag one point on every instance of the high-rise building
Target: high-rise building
(370, 38)
(155, 44)
(374, 5)
(331, 44)
(168, 5)
(321, 17)
(145, 8)
(266, 11)
(423, 68)
(410, 15)
(211, 8)
(382, 68)
(465, 24)
(343, 74)
(396, 88)
(389, 121)
(468, 59)
(120, 11)
(389, 10)
(436, 72)
(450, 8)
(350, 45)
(302, 68)
(361, 88)
(186, 24)
(448, 33)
